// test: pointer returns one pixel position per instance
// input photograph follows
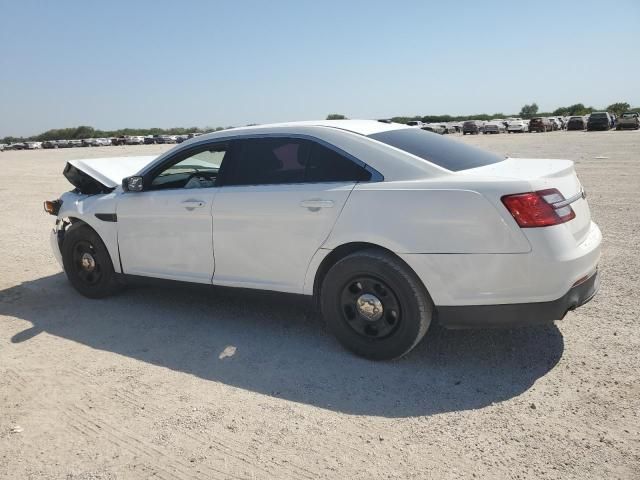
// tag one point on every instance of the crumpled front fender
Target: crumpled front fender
(77, 206)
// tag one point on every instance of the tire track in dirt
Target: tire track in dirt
(88, 426)
(226, 448)
(122, 438)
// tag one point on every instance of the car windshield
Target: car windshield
(450, 154)
(598, 115)
(629, 115)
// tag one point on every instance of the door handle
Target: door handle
(315, 204)
(191, 204)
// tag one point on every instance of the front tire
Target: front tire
(375, 305)
(87, 262)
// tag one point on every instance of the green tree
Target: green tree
(84, 131)
(336, 116)
(577, 109)
(618, 108)
(529, 111)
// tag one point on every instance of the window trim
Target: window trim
(375, 175)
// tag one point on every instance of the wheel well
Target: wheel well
(68, 222)
(341, 252)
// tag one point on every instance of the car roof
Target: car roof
(362, 127)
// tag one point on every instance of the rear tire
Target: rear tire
(87, 262)
(375, 305)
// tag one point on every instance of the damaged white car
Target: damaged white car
(390, 227)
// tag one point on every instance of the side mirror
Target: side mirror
(132, 184)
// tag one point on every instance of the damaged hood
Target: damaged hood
(106, 172)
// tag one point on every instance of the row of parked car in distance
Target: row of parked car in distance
(100, 142)
(594, 121)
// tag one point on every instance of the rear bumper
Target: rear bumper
(553, 266)
(518, 314)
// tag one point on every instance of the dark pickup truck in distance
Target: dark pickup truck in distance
(576, 123)
(472, 127)
(540, 124)
(599, 121)
(627, 120)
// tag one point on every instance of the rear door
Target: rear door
(279, 201)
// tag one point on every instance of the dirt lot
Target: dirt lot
(134, 386)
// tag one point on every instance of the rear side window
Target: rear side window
(450, 154)
(268, 161)
(326, 165)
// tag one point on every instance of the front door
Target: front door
(165, 231)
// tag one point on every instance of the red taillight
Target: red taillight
(538, 209)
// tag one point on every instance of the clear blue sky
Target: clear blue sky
(206, 63)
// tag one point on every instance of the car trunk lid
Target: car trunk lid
(100, 175)
(543, 174)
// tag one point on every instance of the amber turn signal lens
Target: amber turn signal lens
(52, 207)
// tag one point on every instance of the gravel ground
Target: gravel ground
(146, 384)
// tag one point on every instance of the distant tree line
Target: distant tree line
(577, 109)
(527, 111)
(85, 131)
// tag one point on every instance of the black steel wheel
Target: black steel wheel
(85, 265)
(375, 305)
(370, 307)
(87, 262)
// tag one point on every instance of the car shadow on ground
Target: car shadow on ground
(283, 349)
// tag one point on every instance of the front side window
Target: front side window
(269, 161)
(198, 170)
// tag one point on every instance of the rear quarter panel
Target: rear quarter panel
(413, 218)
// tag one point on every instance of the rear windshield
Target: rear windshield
(598, 115)
(450, 154)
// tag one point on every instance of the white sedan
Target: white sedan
(517, 126)
(390, 227)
